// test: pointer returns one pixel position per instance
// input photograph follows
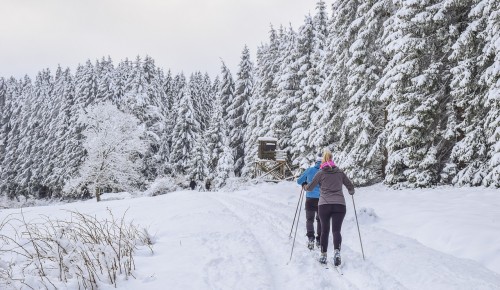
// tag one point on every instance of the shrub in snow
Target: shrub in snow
(235, 183)
(79, 252)
(161, 185)
(22, 201)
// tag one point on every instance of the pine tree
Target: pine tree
(184, 134)
(265, 88)
(328, 118)
(40, 117)
(415, 94)
(105, 80)
(226, 90)
(361, 153)
(85, 85)
(254, 119)
(287, 84)
(4, 115)
(238, 108)
(67, 151)
(466, 109)
(225, 164)
(491, 78)
(197, 169)
(214, 136)
(120, 76)
(307, 94)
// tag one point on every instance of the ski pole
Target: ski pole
(296, 226)
(359, 233)
(298, 203)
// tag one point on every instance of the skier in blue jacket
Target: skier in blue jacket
(312, 198)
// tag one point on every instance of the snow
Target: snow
(267, 139)
(443, 238)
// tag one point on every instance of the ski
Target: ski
(339, 270)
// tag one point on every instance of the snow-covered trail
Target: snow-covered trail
(240, 240)
(393, 261)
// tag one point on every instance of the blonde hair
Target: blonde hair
(327, 155)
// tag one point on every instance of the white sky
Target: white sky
(183, 35)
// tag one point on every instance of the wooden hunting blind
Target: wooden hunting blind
(271, 164)
(267, 148)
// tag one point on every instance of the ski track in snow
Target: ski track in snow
(249, 260)
(393, 262)
(371, 276)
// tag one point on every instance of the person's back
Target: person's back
(330, 181)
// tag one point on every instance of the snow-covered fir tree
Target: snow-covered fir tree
(329, 115)
(282, 115)
(225, 164)
(237, 110)
(415, 96)
(466, 110)
(360, 148)
(491, 78)
(306, 95)
(198, 165)
(214, 137)
(226, 90)
(185, 134)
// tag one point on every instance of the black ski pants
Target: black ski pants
(311, 215)
(334, 213)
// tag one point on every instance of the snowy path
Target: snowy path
(239, 240)
(394, 262)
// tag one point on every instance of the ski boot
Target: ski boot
(336, 258)
(318, 244)
(322, 259)
(310, 244)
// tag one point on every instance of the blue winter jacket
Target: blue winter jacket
(308, 176)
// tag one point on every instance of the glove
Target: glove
(351, 193)
(304, 184)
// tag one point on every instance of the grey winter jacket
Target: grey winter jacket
(330, 182)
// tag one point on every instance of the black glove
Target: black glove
(351, 193)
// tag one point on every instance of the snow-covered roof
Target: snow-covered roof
(267, 139)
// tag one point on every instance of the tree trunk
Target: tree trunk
(98, 194)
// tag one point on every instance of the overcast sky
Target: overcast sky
(183, 35)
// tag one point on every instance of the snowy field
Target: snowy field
(443, 238)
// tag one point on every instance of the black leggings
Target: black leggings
(311, 214)
(335, 212)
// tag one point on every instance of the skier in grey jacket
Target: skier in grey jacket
(332, 205)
